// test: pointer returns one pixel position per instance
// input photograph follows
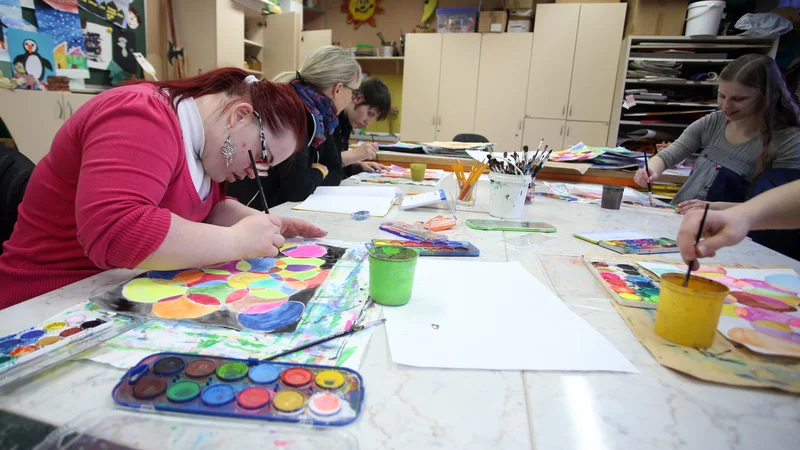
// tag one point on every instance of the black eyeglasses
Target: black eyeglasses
(264, 153)
(357, 93)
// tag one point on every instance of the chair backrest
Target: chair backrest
(468, 137)
(15, 170)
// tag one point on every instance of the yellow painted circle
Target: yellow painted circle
(54, 326)
(329, 379)
(627, 296)
(145, 290)
(288, 401)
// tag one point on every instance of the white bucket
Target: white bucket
(702, 18)
(507, 195)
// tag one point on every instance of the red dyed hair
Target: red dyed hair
(278, 104)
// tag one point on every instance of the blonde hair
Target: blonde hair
(325, 67)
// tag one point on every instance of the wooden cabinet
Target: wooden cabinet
(551, 130)
(458, 85)
(590, 133)
(312, 40)
(281, 44)
(594, 72)
(502, 78)
(33, 118)
(551, 61)
(423, 62)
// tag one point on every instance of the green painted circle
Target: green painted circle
(183, 391)
(232, 371)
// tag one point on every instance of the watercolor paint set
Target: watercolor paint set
(412, 231)
(626, 282)
(641, 246)
(66, 334)
(246, 388)
(434, 248)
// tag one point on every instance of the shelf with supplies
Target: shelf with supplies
(381, 64)
(664, 83)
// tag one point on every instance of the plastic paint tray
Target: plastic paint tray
(117, 429)
(252, 389)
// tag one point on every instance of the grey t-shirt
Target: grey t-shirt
(708, 133)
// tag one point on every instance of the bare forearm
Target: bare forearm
(229, 212)
(776, 209)
(192, 244)
(349, 157)
(656, 165)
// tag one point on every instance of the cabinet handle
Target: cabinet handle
(60, 109)
(440, 120)
(520, 125)
(561, 132)
(570, 110)
(564, 109)
(567, 131)
(71, 112)
(434, 120)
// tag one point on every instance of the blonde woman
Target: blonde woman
(327, 82)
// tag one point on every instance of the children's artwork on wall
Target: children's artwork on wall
(123, 46)
(26, 4)
(98, 45)
(67, 6)
(69, 49)
(263, 294)
(31, 57)
(10, 17)
(112, 11)
(360, 11)
(133, 19)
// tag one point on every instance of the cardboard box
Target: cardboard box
(656, 17)
(492, 21)
(520, 26)
(520, 14)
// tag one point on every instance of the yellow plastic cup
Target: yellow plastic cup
(689, 315)
(418, 171)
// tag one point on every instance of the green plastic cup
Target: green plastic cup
(391, 274)
(418, 171)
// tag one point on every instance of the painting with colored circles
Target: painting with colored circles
(626, 283)
(263, 294)
(761, 311)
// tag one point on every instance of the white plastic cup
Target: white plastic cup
(507, 195)
(388, 50)
(703, 18)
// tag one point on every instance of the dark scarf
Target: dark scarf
(321, 107)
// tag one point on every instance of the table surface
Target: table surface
(420, 408)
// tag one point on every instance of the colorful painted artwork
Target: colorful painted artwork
(402, 175)
(67, 6)
(360, 11)
(593, 193)
(98, 45)
(112, 11)
(578, 152)
(626, 283)
(69, 49)
(761, 311)
(10, 17)
(123, 46)
(264, 294)
(31, 57)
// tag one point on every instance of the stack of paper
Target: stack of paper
(349, 199)
(458, 149)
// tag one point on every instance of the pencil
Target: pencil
(352, 330)
(649, 184)
(696, 241)
(258, 181)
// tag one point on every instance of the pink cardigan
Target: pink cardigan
(102, 197)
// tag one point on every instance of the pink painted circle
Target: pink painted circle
(304, 251)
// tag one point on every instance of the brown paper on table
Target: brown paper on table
(725, 362)
(581, 168)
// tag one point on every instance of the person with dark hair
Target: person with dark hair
(135, 179)
(757, 128)
(375, 103)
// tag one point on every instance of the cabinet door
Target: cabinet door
(551, 130)
(458, 84)
(552, 56)
(281, 44)
(423, 60)
(32, 118)
(590, 133)
(74, 101)
(312, 40)
(594, 72)
(502, 82)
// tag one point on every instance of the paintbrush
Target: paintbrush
(258, 181)
(352, 330)
(649, 184)
(696, 241)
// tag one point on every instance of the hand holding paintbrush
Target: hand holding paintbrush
(649, 184)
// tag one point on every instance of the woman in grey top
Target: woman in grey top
(756, 129)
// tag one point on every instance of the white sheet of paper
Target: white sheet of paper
(349, 199)
(501, 319)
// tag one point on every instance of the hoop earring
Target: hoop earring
(228, 149)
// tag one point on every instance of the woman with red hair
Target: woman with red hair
(135, 179)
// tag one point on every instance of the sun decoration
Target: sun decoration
(360, 11)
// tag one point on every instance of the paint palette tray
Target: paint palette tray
(284, 392)
(434, 248)
(68, 333)
(641, 246)
(626, 283)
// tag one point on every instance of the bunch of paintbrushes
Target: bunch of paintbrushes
(467, 182)
(529, 163)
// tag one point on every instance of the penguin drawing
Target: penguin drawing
(34, 64)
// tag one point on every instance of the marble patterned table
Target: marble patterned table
(417, 408)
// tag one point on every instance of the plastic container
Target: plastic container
(507, 194)
(418, 171)
(612, 197)
(391, 274)
(702, 18)
(456, 20)
(689, 315)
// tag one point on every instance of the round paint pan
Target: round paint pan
(264, 374)
(91, 324)
(232, 371)
(149, 388)
(183, 391)
(288, 401)
(325, 404)
(253, 398)
(168, 365)
(218, 395)
(329, 379)
(296, 377)
(200, 368)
